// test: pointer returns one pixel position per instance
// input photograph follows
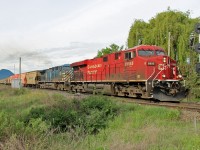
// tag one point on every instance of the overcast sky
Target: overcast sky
(47, 33)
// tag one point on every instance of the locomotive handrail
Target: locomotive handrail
(152, 73)
(157, 75)
(151, 76)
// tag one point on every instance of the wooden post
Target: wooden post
(169, 36)
(20, 73)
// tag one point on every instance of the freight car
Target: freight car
(6, 81)
(32, 78)
(52, 78)
(143, 71)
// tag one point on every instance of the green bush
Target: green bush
(36, 127)
(88, 116)
(108, 108)
(62, 119)
(38, 112)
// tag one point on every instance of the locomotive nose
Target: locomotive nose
(168, 68)
(167, 86)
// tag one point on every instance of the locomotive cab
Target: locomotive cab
(162, 74)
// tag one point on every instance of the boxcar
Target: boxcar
(4, 81)
(23, 79)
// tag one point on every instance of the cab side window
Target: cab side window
(117, 55)
(105, 59)
(128, 55)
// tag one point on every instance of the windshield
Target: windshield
(160, 52)
(146, 52)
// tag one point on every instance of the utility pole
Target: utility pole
(20, 73)
(169, 37)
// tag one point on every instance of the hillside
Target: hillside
(4, 73)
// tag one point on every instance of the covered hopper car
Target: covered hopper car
(32, 78)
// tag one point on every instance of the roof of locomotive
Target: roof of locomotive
(144, 47)
(79, 63)
(65, 65)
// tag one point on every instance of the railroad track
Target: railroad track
(182, 105)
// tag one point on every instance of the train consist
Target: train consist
(143, 71)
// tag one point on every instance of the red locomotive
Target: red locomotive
(143, 71)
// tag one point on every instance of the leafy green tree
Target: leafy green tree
(136, 33)
(111, 49)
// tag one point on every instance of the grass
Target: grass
(146, 128)
(133, 127)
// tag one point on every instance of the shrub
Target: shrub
(36, 127)
(38, 112)
(99, 103)
(88, 116)
(61, 119)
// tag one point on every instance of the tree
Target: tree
(136, 32)
(111, 49)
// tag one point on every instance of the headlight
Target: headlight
(180, 76)
(150, 63)
(164, 59)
